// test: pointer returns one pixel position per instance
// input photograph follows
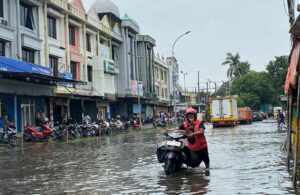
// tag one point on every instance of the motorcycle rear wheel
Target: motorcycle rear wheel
(51, 138)
(14, 141)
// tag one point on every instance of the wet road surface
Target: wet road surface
(245, 159)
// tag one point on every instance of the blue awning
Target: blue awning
(24, 71)
(11, 65)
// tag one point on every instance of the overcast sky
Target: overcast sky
(257, 29)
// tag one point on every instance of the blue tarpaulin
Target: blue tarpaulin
(11, 65)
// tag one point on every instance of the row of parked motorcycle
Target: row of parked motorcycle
(72, 130)
(66, 130)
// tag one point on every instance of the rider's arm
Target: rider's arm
(200, 132)
(181, 127)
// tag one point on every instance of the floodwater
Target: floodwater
(244, 160)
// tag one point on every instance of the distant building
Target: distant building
(161, 72)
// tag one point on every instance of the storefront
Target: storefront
(25, 90)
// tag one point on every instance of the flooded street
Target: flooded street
(245, 159)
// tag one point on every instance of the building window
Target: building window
(26, 16)
(51, 27)
(28, 55)
(90, 73)
(1, 9)
(88, 42)
(72, 35)
(53, 62)
(2, 48)
(74, 69)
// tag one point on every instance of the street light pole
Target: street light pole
(174, 86)
(138, 88)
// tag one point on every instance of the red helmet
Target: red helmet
(191, 111)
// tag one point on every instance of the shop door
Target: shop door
(28, 113)
(102, 112)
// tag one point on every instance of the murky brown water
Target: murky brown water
(244, 159)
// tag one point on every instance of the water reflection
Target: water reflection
(192, 181)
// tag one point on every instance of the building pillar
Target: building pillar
(84, 63)
(46, 34)
(51, 113)
(16, 111)
(67, 44)
(68, 108)
(19, 45)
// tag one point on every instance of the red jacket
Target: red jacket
(200, 140)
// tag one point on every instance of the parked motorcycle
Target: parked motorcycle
(59, 131)
(160, 122)
(72, 129)
(10, 136)
(44, 133)
(171, 151)
(86, 130)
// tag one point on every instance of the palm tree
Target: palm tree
(236, 67)
(233, 61)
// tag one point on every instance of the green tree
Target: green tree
(253, 89)
(277, 70)
(236, 66)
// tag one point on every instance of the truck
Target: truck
(224, 111)
(245, 115)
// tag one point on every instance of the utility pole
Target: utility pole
(198, 94)
(291, 8)
(198, 81)
(215, 87)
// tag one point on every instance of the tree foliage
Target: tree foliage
(253, 89)
(277, 70)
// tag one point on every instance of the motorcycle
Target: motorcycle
(86, 130)
(159, 123)
(44, 133)
(10, 136)
(72, 128)
(59, 131)
(172, 151)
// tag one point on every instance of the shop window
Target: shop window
(26, 16)
(28, 55)
(88, 43)
(2, 48)
(53, 62)
(90, 73)
(72, 35)
(1, 9)
(74, 69)
(3, 107)
(51, 27)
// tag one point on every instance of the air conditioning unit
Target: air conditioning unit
(3, 22)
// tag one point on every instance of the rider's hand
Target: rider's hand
(190, 135)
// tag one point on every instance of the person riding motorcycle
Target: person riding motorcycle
(118, 122)
(194, 128)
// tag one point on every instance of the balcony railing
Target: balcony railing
(105, 29)
(61, 3)
(93, 21)
(78, 13)
(117, 36)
